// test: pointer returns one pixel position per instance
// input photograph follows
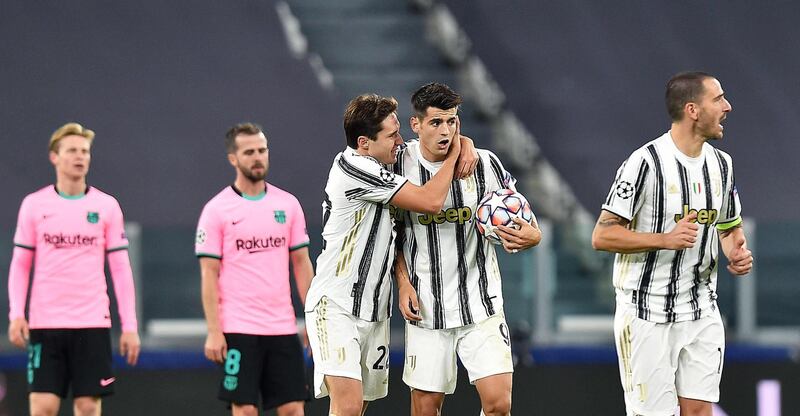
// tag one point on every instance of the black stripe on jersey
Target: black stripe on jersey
(732, 196)
(434, 251)
(366, 261)
(480, 256)
(356, 193)
(497, 168)
(641, 178)
(659, 199)
(675, 270)
(412, 262)
(327, 206)
(723, 169)
(461, 243)
(696, 310)
(388, 261)
(361, 175)
(398, 167)
(613, 192)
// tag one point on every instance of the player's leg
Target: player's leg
(47, 371)
(647, 357)
(241, 374)
(89, 360)
(485, 351)
(430, 368)
(284, 384)
(700, 364)
(87, 406)
(333, 336)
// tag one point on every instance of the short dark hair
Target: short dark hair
(434, 94)
(683, 88)
(364, 115)
(241, 128)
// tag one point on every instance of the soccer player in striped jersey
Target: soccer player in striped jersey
(449, 273)
(349, 302)
(672, 204)
(66, 231)
(247, 236)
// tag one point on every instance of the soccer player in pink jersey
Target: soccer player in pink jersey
(66, 231)
(246, 237)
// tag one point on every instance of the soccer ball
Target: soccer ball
(499, 208)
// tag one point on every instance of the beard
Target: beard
(254, 177)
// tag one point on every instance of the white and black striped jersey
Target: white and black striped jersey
(453, 268)
(358, 248)
(654, 188)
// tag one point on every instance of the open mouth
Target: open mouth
(443, 143)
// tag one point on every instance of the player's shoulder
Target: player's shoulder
(711, 150)
(487, 155)
(47, 191)
(351, 159)
(280, 193)
(98, 193)
(223, 197)
(645, 151)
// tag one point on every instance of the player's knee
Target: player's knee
(44, 411)
(87, 406)
(347, 408)
(497, 406)
(245, 410)
(291, 409)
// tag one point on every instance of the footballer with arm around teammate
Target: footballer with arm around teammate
(247, 237)
(65, 231)
(673, 203)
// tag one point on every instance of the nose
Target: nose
(728, 106)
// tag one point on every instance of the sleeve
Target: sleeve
(629, 188)
(122, 276)
(115, 230)
(18, 280)
(731, 210)
(299, 234)
(208, 239)
(368, 180)
(25, 234)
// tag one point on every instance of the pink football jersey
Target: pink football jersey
(252, 237)
(70, 237)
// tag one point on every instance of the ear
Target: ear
(232, 159)
(415, 124)
(691, 110)
(53, 155)
(363, 142)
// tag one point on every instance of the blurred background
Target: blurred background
(561, 91)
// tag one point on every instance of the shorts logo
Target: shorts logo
(232, 367)
(230, 383)
(200, 238)
(280, 216)
(105, 382)
(411, 362)
(92, 217)
(624, 189)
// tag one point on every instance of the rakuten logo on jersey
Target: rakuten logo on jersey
(256, 244)
(61, 240)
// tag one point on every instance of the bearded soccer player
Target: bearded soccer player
(448, 277)
(348, 308)
(66, 231)
(671, 206)
(247, 237)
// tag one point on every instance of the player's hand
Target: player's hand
(304, 341)
(467, 160)
(216, 348)
(409, 303)
(684, 235)
(18, 332)
(129, 347)
(525, 235)
(740, 259)
(455, 145)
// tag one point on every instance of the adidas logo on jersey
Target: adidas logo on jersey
(704, 216)
(459, 215)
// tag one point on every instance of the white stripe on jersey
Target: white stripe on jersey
(654, 188)
(455, 287)
(358, 237)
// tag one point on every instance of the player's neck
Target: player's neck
(430, 157)
(250, 188)
(685, 140)
(71, 187)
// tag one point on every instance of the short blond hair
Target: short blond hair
(69, 129)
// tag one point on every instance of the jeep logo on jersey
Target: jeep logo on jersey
(459, 215)
(69, 241)
(280, 216)
(704, 216)
(256, 244)
(92, 217)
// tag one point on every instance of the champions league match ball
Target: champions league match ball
(499, 208)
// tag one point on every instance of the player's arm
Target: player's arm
(429, 198)
(734, 245)
(611, 233)
(122, 276)
(303, 271)
(18, 281)
(216, 347)
(467, 159)
(407, 299)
